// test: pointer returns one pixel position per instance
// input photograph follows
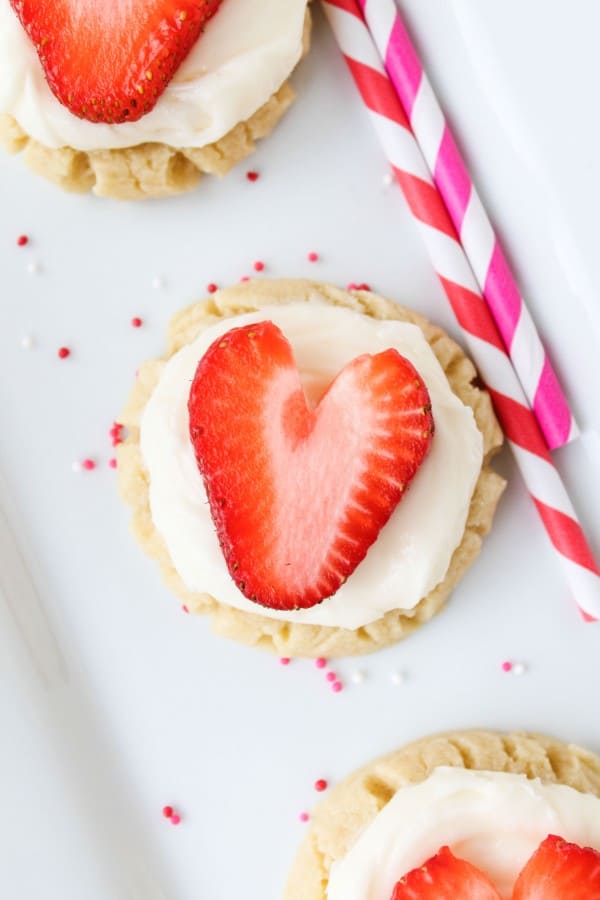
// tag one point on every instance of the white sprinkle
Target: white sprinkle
(33, 267)
(398, 677)
(76, 466)
(357, 677)
(27, 342)
(387, 179)
(519, 668)
(158, 283)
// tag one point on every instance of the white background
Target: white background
(113, 702)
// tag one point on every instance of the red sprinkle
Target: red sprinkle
(285, 660)
(136, 322)
(64, 352)
(304, 817)
(185, 609)
(211, 288)
(22, 240)
(506, 666)
(337, 686)
(259, 266)
(245, 278)
(88, 464)
(112, 463)
(167, 812)
(252, 176)
(321, 662)
(321, 785)
(331, 676)
(175, 819)
(313, 257)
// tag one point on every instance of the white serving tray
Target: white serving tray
(114, 703)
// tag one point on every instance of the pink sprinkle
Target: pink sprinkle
(136, 322)
(22, 240)
(245, 278)
(321, 662)
(321, 784)
(506, 666)
(285, 660)
(88, 464)
(175, 819)
(337, 686)
(304, 817)
(112, 463)
(185, 609)
(331, 676)
(63, 352)
(167, 811)
(352, 286)
(363, 287)
(259, 266)
(211, 288)
(313, 257)
(252, 176)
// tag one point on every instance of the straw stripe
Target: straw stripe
(483, 338)
(454, 183)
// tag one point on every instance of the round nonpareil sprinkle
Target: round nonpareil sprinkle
(398, 677)
(27, 342)
(519, 668)
(313, 257)
(167, 811)
(175, 819)
(136, 322)
(252, 176)
(285, 660)
(321, 662)
(158, 283)
(337, 686)
(507, 666)
(357, 677)
(304, 817)
(321, 785)
(112, 463)
(63, 352)
(331, 676)
(22, 240)
(259, 266)
(211, 288)
(88, 465)
(76, 466)
(34, 268)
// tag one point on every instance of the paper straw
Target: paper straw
(479, 240)
(473, 314)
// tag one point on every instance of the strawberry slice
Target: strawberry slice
(110, 60)
(298, 495)
(445, 877)
(560, 871)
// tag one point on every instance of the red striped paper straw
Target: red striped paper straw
(479, 240)
(472, 312)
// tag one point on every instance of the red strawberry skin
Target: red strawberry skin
(560, 871)
(445, 877)
(110, 60)
(298, 495)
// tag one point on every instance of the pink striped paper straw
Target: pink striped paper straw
(521, 427)
(471, 221)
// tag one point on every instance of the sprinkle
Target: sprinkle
(285, 660)
(22, 240)
(259, 266)
(252, 176)
(63, 352)
(321, 662)
(185, 609)
(337, 686)
(398, 677)
(88, 465)
(363, 287)
(76, 466)
(519, 668)
(321, 785)
(245, 278)
(33, 268)
(211, 288)
(387, 179)
(112, 463)
(167, 811)
(158, 283)
(136, 322)
(304, 817)
(175, 819)
(357, 677)
(313, 257)
(331, 676)
(507, 666)
(27, 342)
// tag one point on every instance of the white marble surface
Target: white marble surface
(112, 702)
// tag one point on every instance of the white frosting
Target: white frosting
(413, 551)
(494, 820)
(245, 54)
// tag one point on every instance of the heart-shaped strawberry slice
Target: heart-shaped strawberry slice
(110, 60)
(298, 495)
